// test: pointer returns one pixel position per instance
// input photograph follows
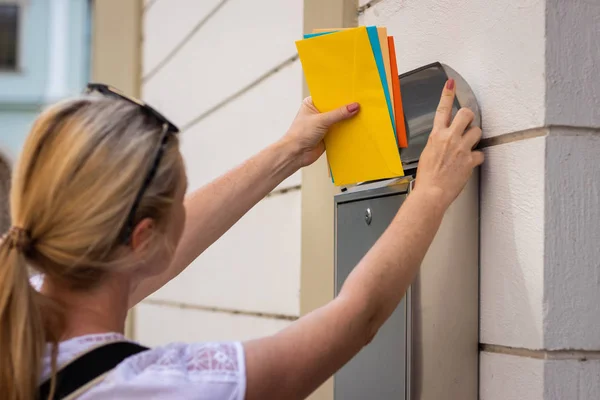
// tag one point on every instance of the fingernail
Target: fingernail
(352, 108)
(450, 84)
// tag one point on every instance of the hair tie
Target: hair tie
(18, 238)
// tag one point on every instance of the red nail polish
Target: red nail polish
(352, 108)
(450, 84)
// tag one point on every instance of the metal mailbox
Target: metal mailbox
(360, 219)
(428, 349)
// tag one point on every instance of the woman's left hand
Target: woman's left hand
(310, 127)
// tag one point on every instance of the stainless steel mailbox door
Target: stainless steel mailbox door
(379, 370)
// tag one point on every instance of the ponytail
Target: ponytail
(22, 336)
(75, 182)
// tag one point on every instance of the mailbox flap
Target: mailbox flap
(421, 89)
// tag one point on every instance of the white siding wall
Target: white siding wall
(226, 71)
(533, 65)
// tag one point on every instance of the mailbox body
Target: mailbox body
(428, 349)
(360, 219)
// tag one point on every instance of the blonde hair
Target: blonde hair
(80, 170)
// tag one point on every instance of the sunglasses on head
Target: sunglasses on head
(168, 128)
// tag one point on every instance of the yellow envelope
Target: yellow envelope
(385, 52)
(340, 69)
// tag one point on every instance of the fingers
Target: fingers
(478, 158)
(443, 113)
(309, 103)
(461, 121)
(340, 114)
(472, 137)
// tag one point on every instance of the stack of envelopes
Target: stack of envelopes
(343, 66)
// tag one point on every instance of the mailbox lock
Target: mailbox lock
(368, 216)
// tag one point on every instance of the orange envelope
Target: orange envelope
(399, 111)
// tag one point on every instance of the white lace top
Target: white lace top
(203, 371)
(199, 371)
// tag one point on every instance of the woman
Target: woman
(98, 211)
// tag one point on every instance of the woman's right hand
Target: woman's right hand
(448, 159)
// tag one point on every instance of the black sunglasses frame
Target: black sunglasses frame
(168, 128)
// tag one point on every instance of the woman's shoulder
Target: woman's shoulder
(208, 371)
(221, 360)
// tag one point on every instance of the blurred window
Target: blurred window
(9, 36)
(4, 195)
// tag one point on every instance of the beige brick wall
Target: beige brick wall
(317, 272)
(116, 57)
(116, 51)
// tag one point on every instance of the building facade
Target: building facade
(44, 57)
(226, 71)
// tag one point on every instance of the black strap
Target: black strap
(88, 367)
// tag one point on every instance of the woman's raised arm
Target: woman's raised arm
(294, 362)
(216, 207)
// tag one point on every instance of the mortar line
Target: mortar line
(573, 130)
(578, 355)
(279, 192)
(220, 310)
(183, 42)
(149, 4)
(531, 133)
(239, 93)
(365, 7)
(512, 137)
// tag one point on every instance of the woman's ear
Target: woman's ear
(142, 233)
